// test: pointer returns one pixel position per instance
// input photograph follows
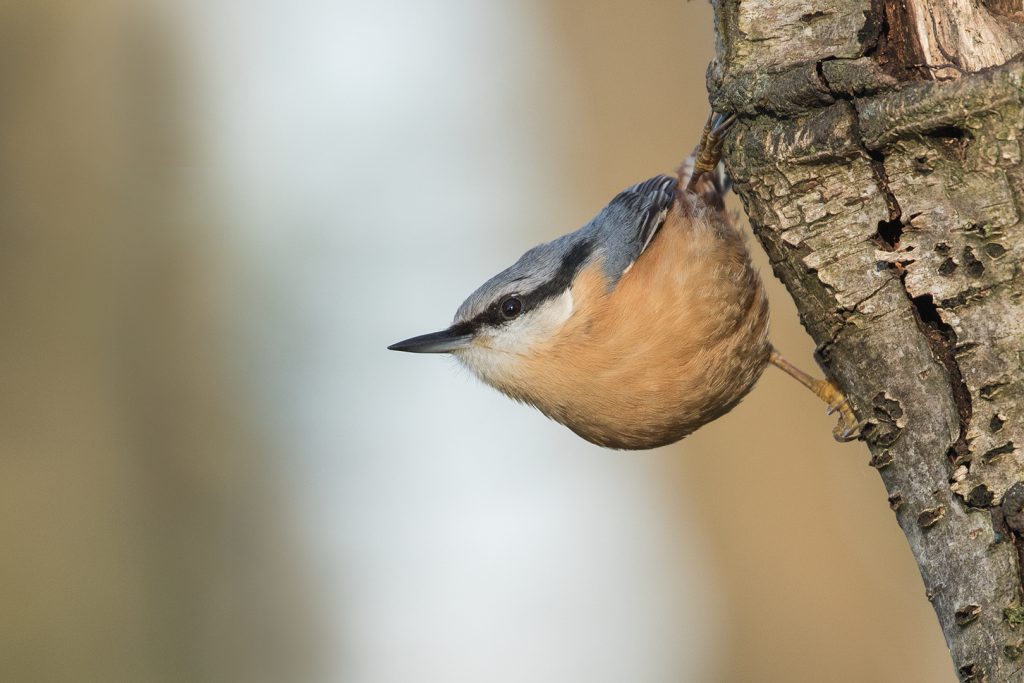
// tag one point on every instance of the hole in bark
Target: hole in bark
(928, 312)
(881, 459)
(960, 299)
(949, 134)
(896, 501)
(930, 517)
(947, 267)
(887, 412)
(889, 233)
(1012, 508)
(980, 497)
(886, 408)
(995, 250)
(811, 16)
(990, 391)
(994, 454)
(966, 614)
(971, 673)
(941, 248)
(996, 423)
(950, 140)
(972, 265)
(955, 458)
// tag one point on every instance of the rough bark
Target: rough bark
(878, 158)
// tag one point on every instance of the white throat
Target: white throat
(496, 352)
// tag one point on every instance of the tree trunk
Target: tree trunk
(877, 156)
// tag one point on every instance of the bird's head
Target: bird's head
(515, 313)
(523, 309)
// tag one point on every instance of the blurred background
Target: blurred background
(216, 215)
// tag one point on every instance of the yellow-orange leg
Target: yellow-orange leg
(848, 428)
(710, 148)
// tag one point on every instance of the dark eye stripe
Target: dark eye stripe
(571, 264)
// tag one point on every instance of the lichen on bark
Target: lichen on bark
(877, 155)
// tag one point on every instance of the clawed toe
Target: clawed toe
(833, 408)
(848, 427)
(844, 433)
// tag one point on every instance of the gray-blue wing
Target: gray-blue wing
(631, 220)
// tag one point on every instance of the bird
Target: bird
(638, 328)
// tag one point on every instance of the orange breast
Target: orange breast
(678, 342)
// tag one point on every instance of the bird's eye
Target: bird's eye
(511, 307)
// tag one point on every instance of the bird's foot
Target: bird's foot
(848, 427)
(710, 148)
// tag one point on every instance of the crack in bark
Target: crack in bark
(943, 341)
(872, 295)
(941, 336)
(889, 231)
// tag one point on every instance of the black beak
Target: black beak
(444, 341)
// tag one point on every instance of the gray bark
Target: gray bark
(878, 159)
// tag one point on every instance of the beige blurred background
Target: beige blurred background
(214, 218)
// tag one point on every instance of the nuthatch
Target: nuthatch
(638, 328)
